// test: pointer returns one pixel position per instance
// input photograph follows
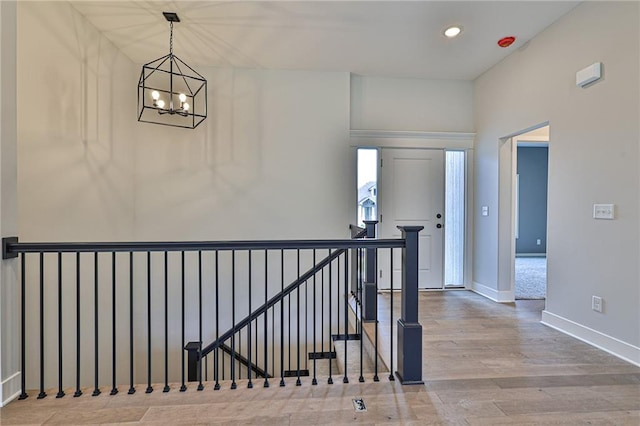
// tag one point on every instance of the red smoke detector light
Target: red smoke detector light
(506, 41)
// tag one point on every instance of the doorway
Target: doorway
(530, 264)
(522, 271)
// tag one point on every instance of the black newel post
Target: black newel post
(193, 360)
(409, 329)
(370, 285)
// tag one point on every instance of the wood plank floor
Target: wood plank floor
(484, 364)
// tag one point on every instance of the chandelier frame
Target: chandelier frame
(170, 78)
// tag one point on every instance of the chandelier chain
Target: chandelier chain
(171, 39)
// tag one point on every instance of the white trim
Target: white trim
(469, 223)
(531, 141)
(493, 294)
(412, 139)
(9, 384)
(607, 343)
(410, 134)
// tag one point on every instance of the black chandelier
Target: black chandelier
(170, 92)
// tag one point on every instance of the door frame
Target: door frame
(507, 154)
(455, 141)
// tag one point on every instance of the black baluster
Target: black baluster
(391, 377)
(375, 360)
(42, 393)
(256, 324)
(282, 383)
(78, 392)
(266, 346)
(200, 360)
(306, 324)
(96, 390)
(289, 330)
(330, 380)
(23, 296)
(322, 309)
(217, 350)
(149, 387)
(346, 313)
(166, 323)
(233, 319)
(250, 384)
(273, 340)
(314, 381)
(183, 387)
(60, 393)
(298, 382)
(114, 389)
(338, 297)
(360, 265)
(132, 389)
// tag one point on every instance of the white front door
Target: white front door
(411, 193)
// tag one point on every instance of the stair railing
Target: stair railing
(136, 293)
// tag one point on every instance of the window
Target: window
(367, 184)
(454, 223)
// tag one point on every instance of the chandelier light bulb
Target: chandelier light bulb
(182, 97)
(160, 103)
(155, 95)
(185, 106)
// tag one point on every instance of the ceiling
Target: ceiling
(381, 38)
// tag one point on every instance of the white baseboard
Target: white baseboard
(493, 294)
(609, 344)
(11, 387)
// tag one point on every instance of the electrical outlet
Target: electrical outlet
(596, 303)
(538, 241)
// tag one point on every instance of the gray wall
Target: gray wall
(593, 158)
(532, 201)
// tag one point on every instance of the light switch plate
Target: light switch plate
(604, 211)
(485, 210)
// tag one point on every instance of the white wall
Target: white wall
(9, 289)
(379, 103)
(76, 127)
(270, 162)
(593, 158)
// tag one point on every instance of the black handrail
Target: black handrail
(357, 232)
(244, 361)
(166, 246)
(272, 302)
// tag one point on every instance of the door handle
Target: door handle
(439, 226)
(438, 216)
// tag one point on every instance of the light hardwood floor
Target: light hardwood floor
(484, 364)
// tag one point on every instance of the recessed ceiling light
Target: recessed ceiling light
(452, 31)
